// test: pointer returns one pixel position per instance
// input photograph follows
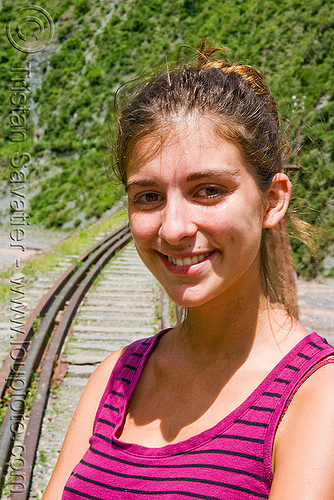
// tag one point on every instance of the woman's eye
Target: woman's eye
(147, 199)
(210, 192)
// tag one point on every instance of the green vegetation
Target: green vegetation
(99, 46)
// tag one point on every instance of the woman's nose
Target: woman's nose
(177, 221)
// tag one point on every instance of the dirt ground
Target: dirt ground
(34, 241)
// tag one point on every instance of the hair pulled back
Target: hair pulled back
(241, 109)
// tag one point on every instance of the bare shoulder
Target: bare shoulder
(97, 382)
(304, 442)
(316, 393)
(80, 430)
(103, 371)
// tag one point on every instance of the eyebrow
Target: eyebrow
(191, 177)
(212, 173)
(140, 183)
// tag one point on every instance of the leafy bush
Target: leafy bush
(291, 41)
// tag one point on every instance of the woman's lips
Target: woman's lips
(186, 265)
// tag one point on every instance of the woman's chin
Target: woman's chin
(189, 299)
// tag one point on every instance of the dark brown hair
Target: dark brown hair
(241, 109)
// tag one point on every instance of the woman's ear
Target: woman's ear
(277, 200)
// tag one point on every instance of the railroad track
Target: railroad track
(133, 304)
(53, 315)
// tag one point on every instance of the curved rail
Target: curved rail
(70, 289)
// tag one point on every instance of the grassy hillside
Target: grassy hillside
(99, 45)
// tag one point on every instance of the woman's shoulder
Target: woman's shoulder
(106, 367)
(304, 441)
(77, 438)
(112, 365)
(104, 370)
(318, 386)
(81, 428)
(318, 375)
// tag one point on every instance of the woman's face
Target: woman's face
(196, 215)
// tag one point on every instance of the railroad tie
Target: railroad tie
(109, 318)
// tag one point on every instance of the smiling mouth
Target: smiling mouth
(188, 261)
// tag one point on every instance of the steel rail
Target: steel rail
(11, 363)
(41, 396)
(21, 345)
(28, 361)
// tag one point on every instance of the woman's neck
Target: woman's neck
(234, 325)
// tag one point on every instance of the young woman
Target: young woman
(237, 401)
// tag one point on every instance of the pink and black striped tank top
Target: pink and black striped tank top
(230, 461)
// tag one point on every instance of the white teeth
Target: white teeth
(188, 260)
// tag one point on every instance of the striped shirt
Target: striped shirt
(230, 461)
